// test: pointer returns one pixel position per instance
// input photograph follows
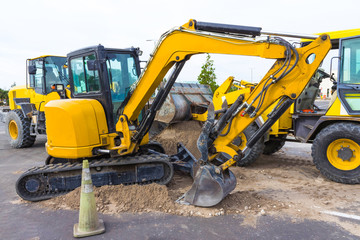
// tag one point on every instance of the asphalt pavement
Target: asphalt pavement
(26, 221)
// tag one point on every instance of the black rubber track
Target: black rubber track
(319, 149)
(44, 174)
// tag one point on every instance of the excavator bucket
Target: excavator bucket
(211, 185)
(183, 100)
(209, 188)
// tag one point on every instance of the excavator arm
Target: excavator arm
(290, 72)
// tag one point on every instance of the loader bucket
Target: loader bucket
(183, 100)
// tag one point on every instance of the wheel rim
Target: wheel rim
(13, 129)
(344, 154)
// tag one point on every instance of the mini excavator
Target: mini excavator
(107, 119)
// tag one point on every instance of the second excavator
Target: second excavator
(107, 121)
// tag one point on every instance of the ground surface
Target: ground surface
(279, 197)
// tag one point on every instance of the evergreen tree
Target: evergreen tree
(207, 75)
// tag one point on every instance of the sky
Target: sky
(33, 28)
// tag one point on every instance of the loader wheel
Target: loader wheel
(54, 160)
(255, 152)
(18, 129)
(274, 144)
(336, 152)
(152, 145)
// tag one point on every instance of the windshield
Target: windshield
(350, 61)
(122, 73)
(56, 72)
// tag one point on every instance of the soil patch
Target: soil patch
(184, 132)
(283, 184)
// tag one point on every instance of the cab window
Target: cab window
(36, 80)
(122, 73)
(85, 80)
(350, 61)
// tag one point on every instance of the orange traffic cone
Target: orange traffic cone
(89, 223)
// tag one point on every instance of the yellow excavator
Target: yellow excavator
(110, 125)
(46, 79)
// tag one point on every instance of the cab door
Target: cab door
(348, 87)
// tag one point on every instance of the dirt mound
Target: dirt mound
(120, 198)
(158, 198)
(185, 132)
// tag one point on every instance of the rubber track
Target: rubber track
(61, 169)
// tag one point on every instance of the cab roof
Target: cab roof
(43, 56)
(335, 36)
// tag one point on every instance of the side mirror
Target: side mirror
(92, 65)
(32, 69)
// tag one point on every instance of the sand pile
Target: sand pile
(185, 132)
(116, 199)
(158, 198)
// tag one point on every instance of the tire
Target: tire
(274, 144)
(152, 145)
(335, 152)
(18, 129)
(255, 152)
(53, 160)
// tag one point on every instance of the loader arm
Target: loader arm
(177, 46)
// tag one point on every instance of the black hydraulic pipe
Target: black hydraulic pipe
(227, 28)
(158, 102)
(227, 115)
(271, 120)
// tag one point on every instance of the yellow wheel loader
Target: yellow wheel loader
(109, 125)
(46, 79)
(333, 130)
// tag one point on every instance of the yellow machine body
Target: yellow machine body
(46, 80)
(35, 98)
(85, 124)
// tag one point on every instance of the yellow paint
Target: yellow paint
(338, 34)
(78, 129)
(13, 129)
(336, 161)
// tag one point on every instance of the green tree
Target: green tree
(3, 96)
(207, 75)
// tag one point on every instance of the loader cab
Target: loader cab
(105, 75)
(348, 87)
(45, 71)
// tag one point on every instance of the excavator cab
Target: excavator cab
(105, 75)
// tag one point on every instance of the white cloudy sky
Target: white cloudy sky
(32, 28)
